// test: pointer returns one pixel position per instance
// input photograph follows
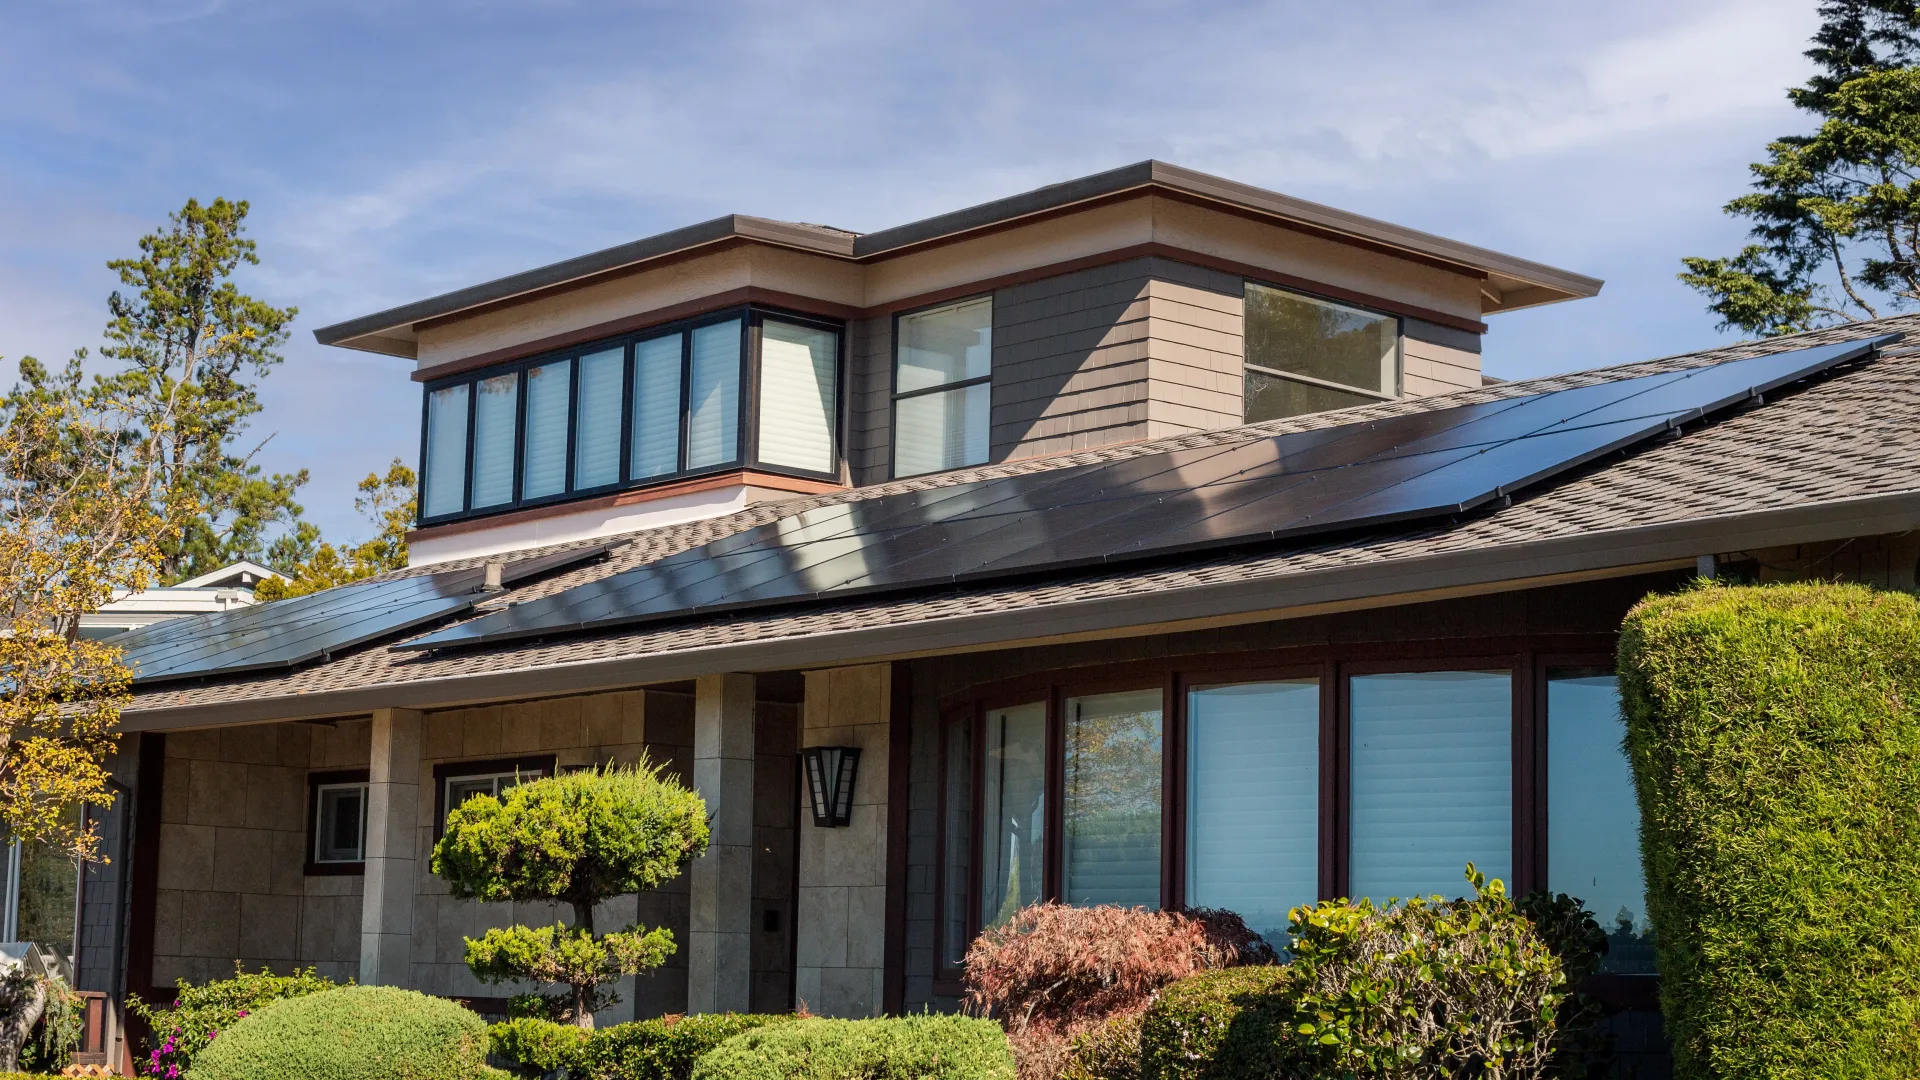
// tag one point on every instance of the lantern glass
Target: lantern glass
(830, 776)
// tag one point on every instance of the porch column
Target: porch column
(720, 916)
(393, 804)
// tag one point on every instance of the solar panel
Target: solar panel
(286, 633)
(524, 569)
(1404, 468)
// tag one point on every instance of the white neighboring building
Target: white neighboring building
(228, 587)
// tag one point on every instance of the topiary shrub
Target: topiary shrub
(1108, 1052)
(659, 1049)
(578, 838)
(181, 1030)
(1053, 971)
(541, 1045)
(352, 1033)
(1775, 739)
(907, 1048)
(1220, 1025)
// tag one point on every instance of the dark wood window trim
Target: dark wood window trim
(746, 435)
(541, 764)
(316, 781)
(1528, 659)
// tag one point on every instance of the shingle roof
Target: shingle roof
(1854, 435)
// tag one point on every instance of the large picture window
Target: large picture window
(942, 385)
(1306, 355)
(742, 389)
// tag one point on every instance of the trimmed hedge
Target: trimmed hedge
(353, 1033)
(1219, 1025)
(181, 1030)
(1775, 739)
(909, 1048)
(660, 1049)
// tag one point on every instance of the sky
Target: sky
(393, 150)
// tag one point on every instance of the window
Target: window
(1253, 800)
(456, 782)
(649, 407)
(1014, 808)
(337, 807)
(956, 872)
(1111, 803)
(1304, 354)
(1593, 820)
(1431, 781)
(942, 383)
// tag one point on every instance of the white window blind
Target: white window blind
(713, 414)
(1431, 782)
(444, 474)
(596, 432)
(496, 410)
(935, 428)
(1111, 802)
(545, 468)
(656, 406)
(945, 345)
(1013, 801)
(944, 430)
(797, 374)
(1253, 800)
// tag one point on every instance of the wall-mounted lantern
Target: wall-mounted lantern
(830, 771)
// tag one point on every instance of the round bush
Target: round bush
(353, 1033)
(1218, 1025)
(909, 1048)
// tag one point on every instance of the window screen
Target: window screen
(713, 413)
(1593, 820)
(444, 473)
(798, 365)
(1013, 811)
(548, 392)
(1111, 802)
(1304, 354)
(942, 387)
(656, 406)
(1431, 782)
(596, 432)
(1253, 800)
(495, 413)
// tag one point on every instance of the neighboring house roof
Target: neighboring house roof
(244, 574)
(217, 590)
(1833, 460)
(1519, 282)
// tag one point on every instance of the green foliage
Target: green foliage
(1775, 739)
(1838, 209)
(579, 838)
(662, 1049)
(1220, 1025)
(181, 1030)
(56, 1035)
(352, 1033)
(1108, 1052)
(908, 1048)
(387, 501)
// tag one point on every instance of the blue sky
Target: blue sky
(394, 150)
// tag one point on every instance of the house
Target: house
(228, 587)
(1154, 539)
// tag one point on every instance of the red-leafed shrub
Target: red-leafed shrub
(1052, 971)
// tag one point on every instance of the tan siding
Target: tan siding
(1070, 361)
(869, 398)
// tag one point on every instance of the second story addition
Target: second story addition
(744, 359)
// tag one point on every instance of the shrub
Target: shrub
(661, 1049)
(181, 1030)
(352, 1033)
(579, 838)
(1108, 1052)
(1775, 739)
(909, 1048)
(1219, 1025)
(1053, 971)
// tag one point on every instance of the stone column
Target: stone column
(393, 806)
(841, 954)
(720, 916)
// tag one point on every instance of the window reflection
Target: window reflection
(1593, 819)
(959, 843)
(1111, 804)
(1013, 805)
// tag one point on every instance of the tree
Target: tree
(187, 336)
(387, 501)
(1836, 214)
(578, 839)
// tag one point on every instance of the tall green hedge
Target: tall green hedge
(1775, 738)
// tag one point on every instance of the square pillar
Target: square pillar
(393, 805)
(720, 916)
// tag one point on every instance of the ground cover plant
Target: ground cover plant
(1775, 739)
(352, 1033)
(904, 1048)
(577, 839)
(181, 1030)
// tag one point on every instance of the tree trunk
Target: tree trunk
(13, 1036)
(583, 992)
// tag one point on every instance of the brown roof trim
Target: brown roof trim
(737, 478)
(1475, 571)
(750, 294)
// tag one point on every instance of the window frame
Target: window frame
(532, 766)
(894, 396)
(336, 778)
(746, 434)
(1399, 348)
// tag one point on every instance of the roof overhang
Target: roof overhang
(1475, 571)
(1508, 282)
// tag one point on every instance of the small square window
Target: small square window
(340, 824)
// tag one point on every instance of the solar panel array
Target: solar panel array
(1414, 466)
